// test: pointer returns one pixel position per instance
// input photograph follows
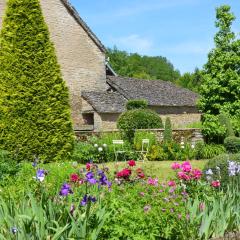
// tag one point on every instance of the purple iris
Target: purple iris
(103, 179)
(40, 174)
(90, 178)
(87, 199)
(65, 190)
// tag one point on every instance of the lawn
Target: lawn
(160, 169)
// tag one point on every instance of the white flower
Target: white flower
(100, 149)
(95, 145)
(209, 172)
(209, 178)
(104, 145)
(192, 146)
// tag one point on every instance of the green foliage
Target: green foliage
(142, 67)
(171, 151)
(207, 151)
(167, 134)
(140, 135)
(221, 76)
(136, 104)
(129, 220)
(191, 80)
(194, 125)
(34, 109)
(212, 130)
(225, 121)
(132, 120)
(8, 166)
(232, 144)
(221, 162)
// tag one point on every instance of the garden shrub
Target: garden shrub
(132, 120)
(167, 134)
(221, 162)
(212, 130)
(225, 121)
(35, 110)
(136, 104)
(232, 144)
(83, 152)
(140, 135)
(208, 151)
(8, 167)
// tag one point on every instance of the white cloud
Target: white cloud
(134, 43)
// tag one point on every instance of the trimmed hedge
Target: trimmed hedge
(167, 134)
(35, 111)
(232, 144)
(136, 104)
(132, 120)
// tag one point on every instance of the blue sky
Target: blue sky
(181, 30)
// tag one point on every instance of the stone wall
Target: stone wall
(182, 120)
(109, 121)
(82, 62)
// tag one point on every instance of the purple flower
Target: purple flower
(65, 190)
(87, 199)
(90, 178)
(147, 208)
(40, 174)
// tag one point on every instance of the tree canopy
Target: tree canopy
(34, 109)
(142, 67)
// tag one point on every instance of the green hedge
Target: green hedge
(232, 144)
(34, 100)
(132, 120)
(136, 104)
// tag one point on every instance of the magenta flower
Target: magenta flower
(183, 176)
(175, 166)
(186, 167)
(216, 184)
(171, 184)
(197, 174)
(153, 181)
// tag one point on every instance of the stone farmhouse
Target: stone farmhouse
(97, 95)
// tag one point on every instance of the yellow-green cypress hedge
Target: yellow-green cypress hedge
(34, 100)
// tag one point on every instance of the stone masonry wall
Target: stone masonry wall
(82, 62)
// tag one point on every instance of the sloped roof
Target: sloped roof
(105, 102)
(156, 92)
(80, 21)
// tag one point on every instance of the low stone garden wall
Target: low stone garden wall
(185, 134)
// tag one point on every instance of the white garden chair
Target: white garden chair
(144, 150)
(118, 147)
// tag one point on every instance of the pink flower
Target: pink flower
(201, 206)
(175, 166)
(142, 194)
(153, 182)
(183, 176)
(125, 173)
(216, 184)
(197, 174)
(171, 184)
(131, 163)
(186, 167)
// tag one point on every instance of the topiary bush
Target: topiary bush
(232, 144)
(136, 104)
(132, 120)
(219, 166)
(34, 100)
(167, 134)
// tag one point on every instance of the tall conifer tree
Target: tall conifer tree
(35, 111)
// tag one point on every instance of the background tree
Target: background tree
(142, 67)
(167, 134)
(220, 90)
(221, 76)
(35, 112)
